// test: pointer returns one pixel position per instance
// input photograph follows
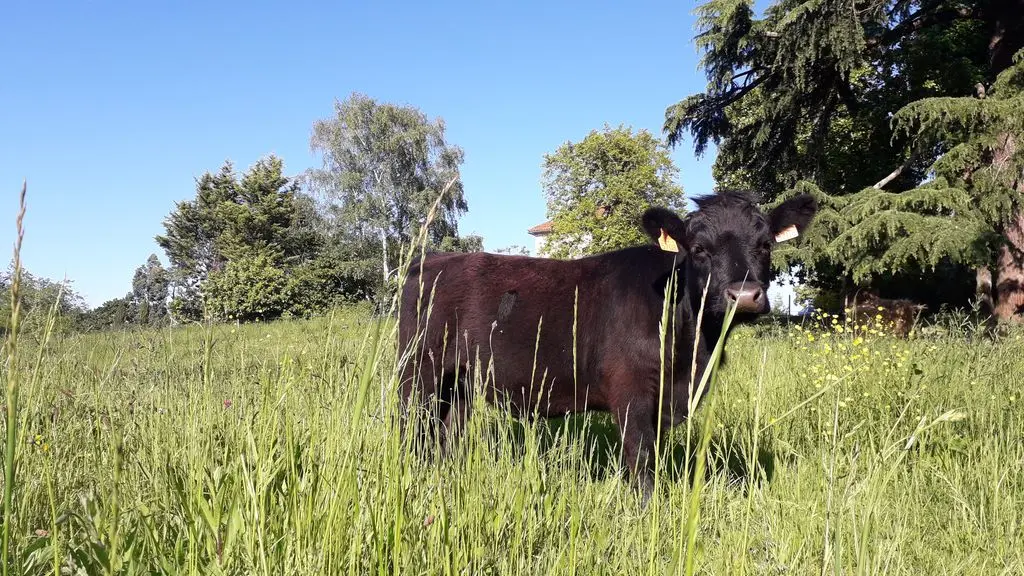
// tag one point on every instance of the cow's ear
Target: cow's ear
(665, 228)
(791, 218)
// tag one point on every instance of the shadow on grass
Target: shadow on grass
(601, 448)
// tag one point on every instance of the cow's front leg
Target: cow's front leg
(635, 418)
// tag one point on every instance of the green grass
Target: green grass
(270, 449)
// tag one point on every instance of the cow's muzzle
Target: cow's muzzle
(748, 296)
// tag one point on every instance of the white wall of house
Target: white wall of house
(541, 239)
(538, 243)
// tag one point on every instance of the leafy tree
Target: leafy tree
(514, 249)
(248, 288)
(261, 217)
(192, 230)
(115, 313)
(384, 167)
(334, 278)
(149, 293)
(970, 213)
(806, 92)
(853, 99)
(597, 189)
(38, 297)
(468, 243)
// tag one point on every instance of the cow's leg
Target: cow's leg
(459, 409)
(635, 418)
(424, 400)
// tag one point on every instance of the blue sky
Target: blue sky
(112, 110)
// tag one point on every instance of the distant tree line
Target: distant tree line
(262, 245)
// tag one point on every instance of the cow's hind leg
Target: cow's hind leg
(635, 418)
(424, 404)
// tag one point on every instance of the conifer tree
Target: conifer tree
(253, 221)
(873, 105)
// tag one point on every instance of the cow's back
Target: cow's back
(524, 310)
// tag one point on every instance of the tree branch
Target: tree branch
(726, 99)
(928, 15)
(922, 18)
(894, 174)
(746, 73)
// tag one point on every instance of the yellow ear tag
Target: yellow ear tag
(667, 243)
(787, 233)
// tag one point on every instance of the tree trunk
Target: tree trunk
(983, 289)
(1010, 266)
(384, 245)
(1010, 263)
(1006, 32)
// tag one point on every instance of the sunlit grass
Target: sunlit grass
(243, 449)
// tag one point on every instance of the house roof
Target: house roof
(540, 229)
(545, 227)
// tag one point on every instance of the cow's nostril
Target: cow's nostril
(747, 296)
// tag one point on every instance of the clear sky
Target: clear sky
(111, 110)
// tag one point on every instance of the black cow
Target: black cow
(490, 308)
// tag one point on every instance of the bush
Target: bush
(246, 289)
(321, 284)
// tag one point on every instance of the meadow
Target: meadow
(271, 448)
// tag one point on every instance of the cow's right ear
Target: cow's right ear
(790, 219)
(666, 228)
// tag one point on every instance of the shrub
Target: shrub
(246, 289)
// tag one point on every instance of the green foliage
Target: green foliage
(332, 279)
(384, 167)
(853, 98)
(597, 189)
(877, 233)
(248, 288)
(955, 218)
(981, 139)
(468, 243)
(149, 292)
(806, 91)
(38, 297)
(111, 315)
(259, 214)
(514, 249)
(260, 217)
(193, 228)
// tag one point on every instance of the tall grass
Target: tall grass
(273, 449)
(11, 390)
(268, 449)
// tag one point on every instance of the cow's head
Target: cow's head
(730, 239)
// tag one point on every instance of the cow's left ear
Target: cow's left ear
(666, 228)
(789, 219)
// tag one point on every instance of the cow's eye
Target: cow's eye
(698, 250)
(766, 246)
